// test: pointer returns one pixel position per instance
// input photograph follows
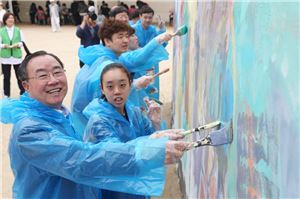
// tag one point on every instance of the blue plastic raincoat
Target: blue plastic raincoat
(145, 58)
(108, 125)
(87, 82)
(153, 53)
(144, 37)
(50, 161)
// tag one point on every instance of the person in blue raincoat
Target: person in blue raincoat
(115, 38)
(115, 121)
(145, 32)
(134, 62)
(49, 160)
(144, 29)
(137, 96)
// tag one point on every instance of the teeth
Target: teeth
(54, 90)
(118, 99)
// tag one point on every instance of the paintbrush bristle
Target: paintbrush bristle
(182, 30)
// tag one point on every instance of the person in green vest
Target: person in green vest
(11, 39)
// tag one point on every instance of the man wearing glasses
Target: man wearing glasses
(49, 160)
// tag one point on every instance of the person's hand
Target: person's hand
(164, 37)
(6, 46)
(154, 112)
(143, 81)
(14, 46)
(161, 23)
(174, 151)
(153, 90)
(85, 18)
(173, 134)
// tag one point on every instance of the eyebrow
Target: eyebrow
(122, 33)
(44, 70)
(110, 82)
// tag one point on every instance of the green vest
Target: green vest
(10, 52)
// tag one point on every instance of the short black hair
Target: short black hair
(114, 66)
(146, 9)
(22, 71)
(117, 10)
(134, 15)
(108, 68)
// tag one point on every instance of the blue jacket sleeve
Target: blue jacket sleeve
(79, 32)
(144, 58)
(160, 31)
(135, 167)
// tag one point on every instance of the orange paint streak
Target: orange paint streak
(251, 164)
(212, 188)
(201, 195)
(253, 193)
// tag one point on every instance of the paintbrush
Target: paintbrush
(180, 31)
(156, 100)
(203, 127)
(161, 72)
(222, 136)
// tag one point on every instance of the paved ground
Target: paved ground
(65, 44)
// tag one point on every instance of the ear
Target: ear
(107, 42)
(25, 85)
(101, 88)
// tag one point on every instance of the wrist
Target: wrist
(159, 40)
(135, 84)
(156, 125)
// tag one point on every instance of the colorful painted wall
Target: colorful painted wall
(239, 61)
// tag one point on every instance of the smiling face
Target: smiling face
(119, 42)
(49, 91)
(115, 86)
(146, 19)
(10, 21)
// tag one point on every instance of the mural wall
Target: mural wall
(239, 61)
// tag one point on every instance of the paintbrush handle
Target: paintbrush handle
(206, 126)
(161, 72)
(185, 133)
(209, 125)
(203, 142)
